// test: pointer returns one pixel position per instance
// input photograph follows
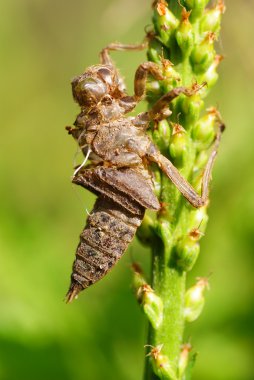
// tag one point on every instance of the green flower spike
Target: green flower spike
(182, 44)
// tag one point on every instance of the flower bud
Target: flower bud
(153, 89)
(155, 51)
(145, 232)
(164, 231)
(211, 75)
(194, 300)
(185, 34)
(165, 22)
(187, 251)
(161, 135)
(211, 20)
(184, 359)
(171, 77)
(152, 305)
(138, 279)
(203, 132)
(178, 145)
(161, 364)
(191, 107)
(198, 219)
(196, 6)
(203, 54)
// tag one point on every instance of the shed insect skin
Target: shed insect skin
(120, 150)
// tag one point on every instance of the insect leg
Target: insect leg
(180, 182)
(210, 163)
(142, 70)
(104, 54)
(141, 76)
(106, 60)
(140, 83)
(159, 108)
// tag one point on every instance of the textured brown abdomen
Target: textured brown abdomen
(109, 230)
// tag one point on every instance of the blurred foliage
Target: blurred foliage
(101, 336)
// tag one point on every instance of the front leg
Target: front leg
(142, 71)
(105, 59)
(180, 182)
(105, 56)
(140, 84)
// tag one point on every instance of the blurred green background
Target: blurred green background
(44, 44)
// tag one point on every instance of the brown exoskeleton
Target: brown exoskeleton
(119, 150)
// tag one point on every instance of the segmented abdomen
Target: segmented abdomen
(109, 230)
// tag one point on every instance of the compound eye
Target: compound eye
(94, 88)
(107, 75)
(88, 90)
